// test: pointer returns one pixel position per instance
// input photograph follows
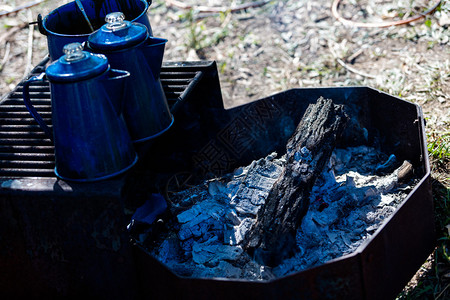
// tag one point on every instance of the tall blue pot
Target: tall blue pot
(66, 24)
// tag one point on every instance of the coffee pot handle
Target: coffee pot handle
(30, 107)
(41, 28)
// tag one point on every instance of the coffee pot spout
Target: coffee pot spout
(115, 86)
(154, 52)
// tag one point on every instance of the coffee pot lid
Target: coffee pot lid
(76, 65)
(117, 34)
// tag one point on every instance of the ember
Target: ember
(348, 203)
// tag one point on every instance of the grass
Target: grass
(439, 147)
(195, 36)
(199, 37)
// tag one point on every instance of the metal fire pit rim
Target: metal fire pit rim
(349, 87)
(378, 243)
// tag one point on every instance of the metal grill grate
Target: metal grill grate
(24, 149)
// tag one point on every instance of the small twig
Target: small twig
(232, 8)
(226, 21)
(351, 69)
(21, 7)
(346, 66)
(355, 55)
(28, 65)
(6, 56)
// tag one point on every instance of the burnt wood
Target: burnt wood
(272, 237)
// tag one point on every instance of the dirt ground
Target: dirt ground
(280, 45)
(272, 46)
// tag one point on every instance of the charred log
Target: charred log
(272, 237)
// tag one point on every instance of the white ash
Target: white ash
(347, 205)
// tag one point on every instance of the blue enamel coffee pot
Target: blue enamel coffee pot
(67, 23)
(128, 46)
(90, 136)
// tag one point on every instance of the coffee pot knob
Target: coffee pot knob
(73, 52)
(115, 21)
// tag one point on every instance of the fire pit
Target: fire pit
(70, 239)
(229, 139)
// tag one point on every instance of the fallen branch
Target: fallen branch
(21, 7)
(272, 237)
(334, 10)
(206, 9)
